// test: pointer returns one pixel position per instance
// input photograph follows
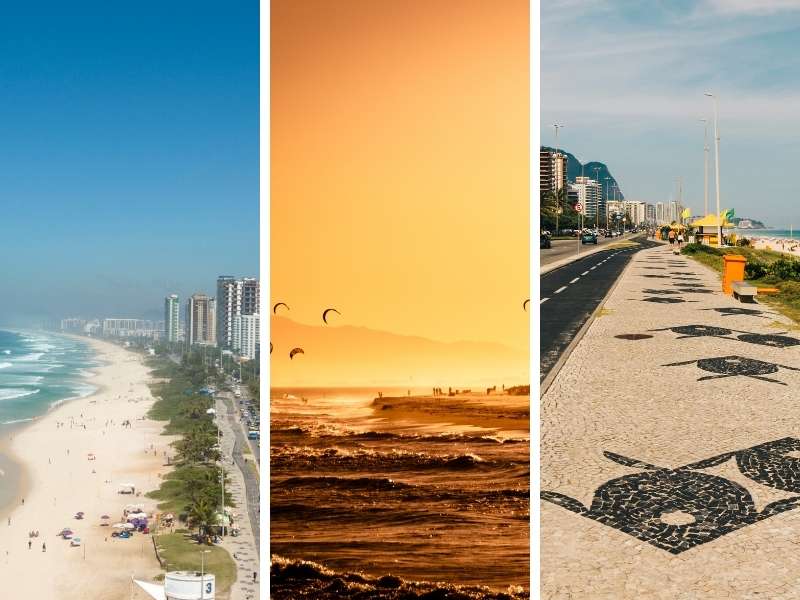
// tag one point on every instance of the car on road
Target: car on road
(545, 241)
(589, 237)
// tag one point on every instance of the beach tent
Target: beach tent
(137, 515)
(126, 488)
(123, 526)
(153, 589)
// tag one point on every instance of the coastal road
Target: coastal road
(250, 478)
(563, 248)
(571, 293)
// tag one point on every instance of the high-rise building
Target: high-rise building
(552, 171)
(235, 297)
(650, 213)
(661, 213)
(172, 311)
(246, 333)
(590, 196)
(131, 328)
(201, 319)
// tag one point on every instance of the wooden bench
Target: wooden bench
(742, 290)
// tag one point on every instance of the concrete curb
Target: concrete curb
(548, 380)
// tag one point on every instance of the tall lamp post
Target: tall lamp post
(597, 202)
(716, 164)
(558, 199)
(203, 573)
(705, 166)
(605, 204)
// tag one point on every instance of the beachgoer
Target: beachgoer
(255, 574)
(680, 239)
(44, 547)
(30, 543)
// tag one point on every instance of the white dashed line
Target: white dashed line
(574, 280)
(543, 300)
(593, 268)
(584, 273)
(561, 289)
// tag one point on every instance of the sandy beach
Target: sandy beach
(60, 480)
(785, 245)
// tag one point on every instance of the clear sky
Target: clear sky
(128, 153)
(627, 78)
(400, 165)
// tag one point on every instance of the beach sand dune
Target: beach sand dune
(60, 480)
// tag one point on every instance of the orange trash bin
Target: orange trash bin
(732, 270)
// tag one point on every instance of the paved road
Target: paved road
(250, 478)
(564, 248)
(570, 294)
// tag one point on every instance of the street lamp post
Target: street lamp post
(716, 164)
(558, 199)
(597, 203)
(705, 166)
(605, 204)
(202, 573)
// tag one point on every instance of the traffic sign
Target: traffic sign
(578, 207)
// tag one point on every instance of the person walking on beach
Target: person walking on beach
(44, 547)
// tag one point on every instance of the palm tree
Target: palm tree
(201, 514)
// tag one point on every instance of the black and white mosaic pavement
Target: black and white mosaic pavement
(736, 366)
(679, 509)
(773, 340)
(727, 311)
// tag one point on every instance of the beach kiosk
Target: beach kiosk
(707, 229)
(182, 585)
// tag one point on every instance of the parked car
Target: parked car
(588, 237)
(545, 241)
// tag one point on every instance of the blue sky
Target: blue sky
(128, 153)
(627, 78)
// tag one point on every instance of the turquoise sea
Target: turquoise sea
(39, 370)
(769, 233)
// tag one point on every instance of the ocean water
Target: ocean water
(793, 234)
(38, 371)
(380, 498)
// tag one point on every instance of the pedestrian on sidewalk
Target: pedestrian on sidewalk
(671, 236)
(680, 239)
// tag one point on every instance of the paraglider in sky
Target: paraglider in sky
(525, 304)
(295, 351)
(325, 314)
(275, 308)
(270, 347)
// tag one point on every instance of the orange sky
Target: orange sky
(400, 165)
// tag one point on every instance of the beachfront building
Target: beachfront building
(201, 320)
(172, 311)
(235, 297)
(125, 328)
(552, 172)
(246, 335)
(73, 325)
(650, 214)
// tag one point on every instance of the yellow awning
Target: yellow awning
(711, 221)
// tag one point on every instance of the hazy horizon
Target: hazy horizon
(626, 79)
(130, 154)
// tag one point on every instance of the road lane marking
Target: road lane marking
(593, 268)
(561, 289)
(543, 300)
(584, 273)
(574, 280)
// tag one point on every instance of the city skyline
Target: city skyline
(648, 66)
(122, 152)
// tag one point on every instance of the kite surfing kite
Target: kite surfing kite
(295, 351)
(325, 314)
(275, 308)
(525, 304)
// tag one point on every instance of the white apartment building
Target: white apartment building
(590, 195)
(246, 335)
(235, 297)
(131, 328)
(172, 311)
